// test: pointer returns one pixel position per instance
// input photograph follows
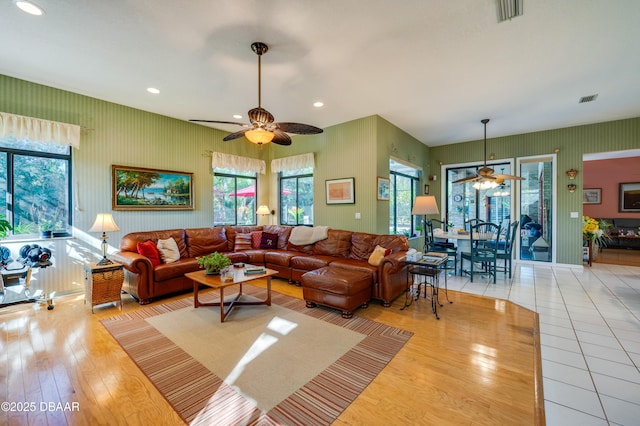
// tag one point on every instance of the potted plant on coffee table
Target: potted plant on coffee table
(213, 263)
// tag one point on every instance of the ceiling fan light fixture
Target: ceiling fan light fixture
(259, 136)
(485, 184)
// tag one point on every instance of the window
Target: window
(464, 202)
(35, 185)
(405, 183)
(296, 196)
(234, 197)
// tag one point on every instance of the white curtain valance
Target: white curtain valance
(241, 164)
(294, 162)
(35, 129)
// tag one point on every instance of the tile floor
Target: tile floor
(590, 337)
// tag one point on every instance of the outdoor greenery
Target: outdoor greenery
(40, 185)
(234, 199)
(296, 197)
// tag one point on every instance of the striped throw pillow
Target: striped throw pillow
(243, 242)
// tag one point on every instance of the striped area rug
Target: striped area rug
(199, 396)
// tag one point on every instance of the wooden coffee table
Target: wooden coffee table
(239, 278)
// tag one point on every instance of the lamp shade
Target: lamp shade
(263, 210)
(104, 223)
(259, 136)
(425, 204)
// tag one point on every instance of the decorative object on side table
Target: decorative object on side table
(104, 223)
(103, 283)
(213, 263)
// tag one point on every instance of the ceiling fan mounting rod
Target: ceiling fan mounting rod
(485, 121)
(259, 48)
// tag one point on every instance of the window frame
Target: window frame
(236, 176)
(415, 190)
(11, 153)
(296, 177)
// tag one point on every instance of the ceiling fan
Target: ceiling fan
(485, 178)
(263, 129)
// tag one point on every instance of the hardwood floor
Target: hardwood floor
(618, 257)
(480, 364)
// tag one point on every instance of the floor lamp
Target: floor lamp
(264, 211)
(424, 205)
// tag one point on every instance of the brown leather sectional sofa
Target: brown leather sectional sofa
(342, 249)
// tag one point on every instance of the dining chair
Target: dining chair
(440, 246)
(483, 250)
(506, 254)
(472, 222)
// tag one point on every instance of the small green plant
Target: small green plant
(214, 262)
(5, 227)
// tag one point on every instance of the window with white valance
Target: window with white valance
(294, 162)
(238, 163)
(35, 129)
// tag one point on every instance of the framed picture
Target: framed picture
(383, 188)
(426, 190)
(136, 188)
(341, 191)
(629, 197)
(592, 196)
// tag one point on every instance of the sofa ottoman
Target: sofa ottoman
(337, 288)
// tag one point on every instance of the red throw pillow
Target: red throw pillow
(269, 241)
(149, 250)
(256, 237)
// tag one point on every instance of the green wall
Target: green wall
(115, 134)
(570, 143)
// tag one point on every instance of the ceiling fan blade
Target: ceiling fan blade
(466, 179)
(220, 122)
(299, 128)
(260, 116)
(281, 138)
(509, 177)
(236, 135)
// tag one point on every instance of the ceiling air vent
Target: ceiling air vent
(589, 98)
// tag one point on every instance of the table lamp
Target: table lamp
(104, 223)
(425, 204)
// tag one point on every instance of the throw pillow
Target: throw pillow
(256, 237)
(243, 242)
(168, 249)
(269, 241)
(150, 251)
(377, 255)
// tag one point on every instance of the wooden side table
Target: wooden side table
(103, 283)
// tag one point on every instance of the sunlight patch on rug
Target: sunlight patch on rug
(264, 353)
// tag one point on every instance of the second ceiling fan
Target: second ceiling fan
(263, 129)
(485, 177)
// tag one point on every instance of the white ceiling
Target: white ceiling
(434, 68)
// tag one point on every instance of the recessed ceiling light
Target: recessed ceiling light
(30, 8)
(318, 104)
(237, 116)
(153, 90)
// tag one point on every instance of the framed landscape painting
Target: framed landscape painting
(341, 191)
(629, 197)
(592, 196)
(136, 188)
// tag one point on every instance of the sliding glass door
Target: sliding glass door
(536, 207)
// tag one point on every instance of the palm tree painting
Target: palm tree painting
(150, 189)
